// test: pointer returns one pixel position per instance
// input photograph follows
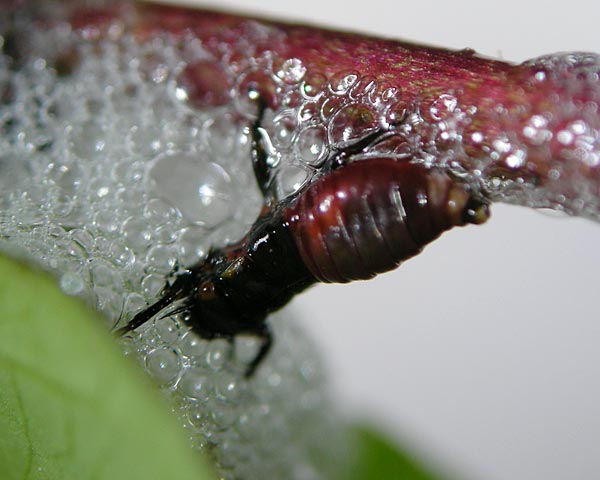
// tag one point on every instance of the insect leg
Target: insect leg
(262, 171)
(266, 338)
(341, 155)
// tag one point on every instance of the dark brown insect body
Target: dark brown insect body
(369, 216)
(358, 219)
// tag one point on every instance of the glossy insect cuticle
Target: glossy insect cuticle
(357, 218)
(84, 129)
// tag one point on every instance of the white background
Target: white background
(482, 353)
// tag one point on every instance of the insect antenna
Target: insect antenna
(181, 288)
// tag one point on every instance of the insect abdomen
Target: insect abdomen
(369, 216)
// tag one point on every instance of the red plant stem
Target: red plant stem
(526, 134)
(529, 125)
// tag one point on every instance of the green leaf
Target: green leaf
(71, 406)
(377, 458)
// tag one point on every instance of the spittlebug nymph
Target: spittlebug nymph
(358, 218)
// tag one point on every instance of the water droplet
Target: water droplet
(292, 100)
(196, 415)
(193, 346)
(351, 122)
(195, 384)
(224, 416)
(200, 190)
(274, 379)
(284, 126)
(163, 364)
(565, 137)
(311, 145)
(268, 382)
(110, 302)
(227, 386)
(568, 69)
(127, 97)
(443, 107)
(136, 232)
(153, 68)
(120, 254)
(84, 238)
(72, 283)
(397, 112)
(193, 245)
(167, 329)
(161, 258)
(251, 87)
(445, 139)
(74, 249)
(342, 82)
(330, 106)
(218, 354)
(159, 212)
(221, 135)
(145, 140)
(388, 93)
(88, 140)
(502, 144)
(516, 159)
(291, 178)
(203, 84)
(165, 234)
(106, 220)
(292, 71)
(134, 303)
(68, 177)
(105, 275)
(62, 205)
(309, 111)
(127, 172)
(152, 285)
(364, 86)
(578, 127)
(477, 137)
(313, 84)
(535, 132)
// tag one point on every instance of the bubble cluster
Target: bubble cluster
(544, 148)
(123, 161)
(565, 138)
(112, 178)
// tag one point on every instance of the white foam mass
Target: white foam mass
(112, 182)
(114, 179)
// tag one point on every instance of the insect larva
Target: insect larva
(369, 216)
(359, 219)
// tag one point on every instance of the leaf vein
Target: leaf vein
(26, 433)
(51, 383)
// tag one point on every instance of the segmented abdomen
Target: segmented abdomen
(369, 216)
